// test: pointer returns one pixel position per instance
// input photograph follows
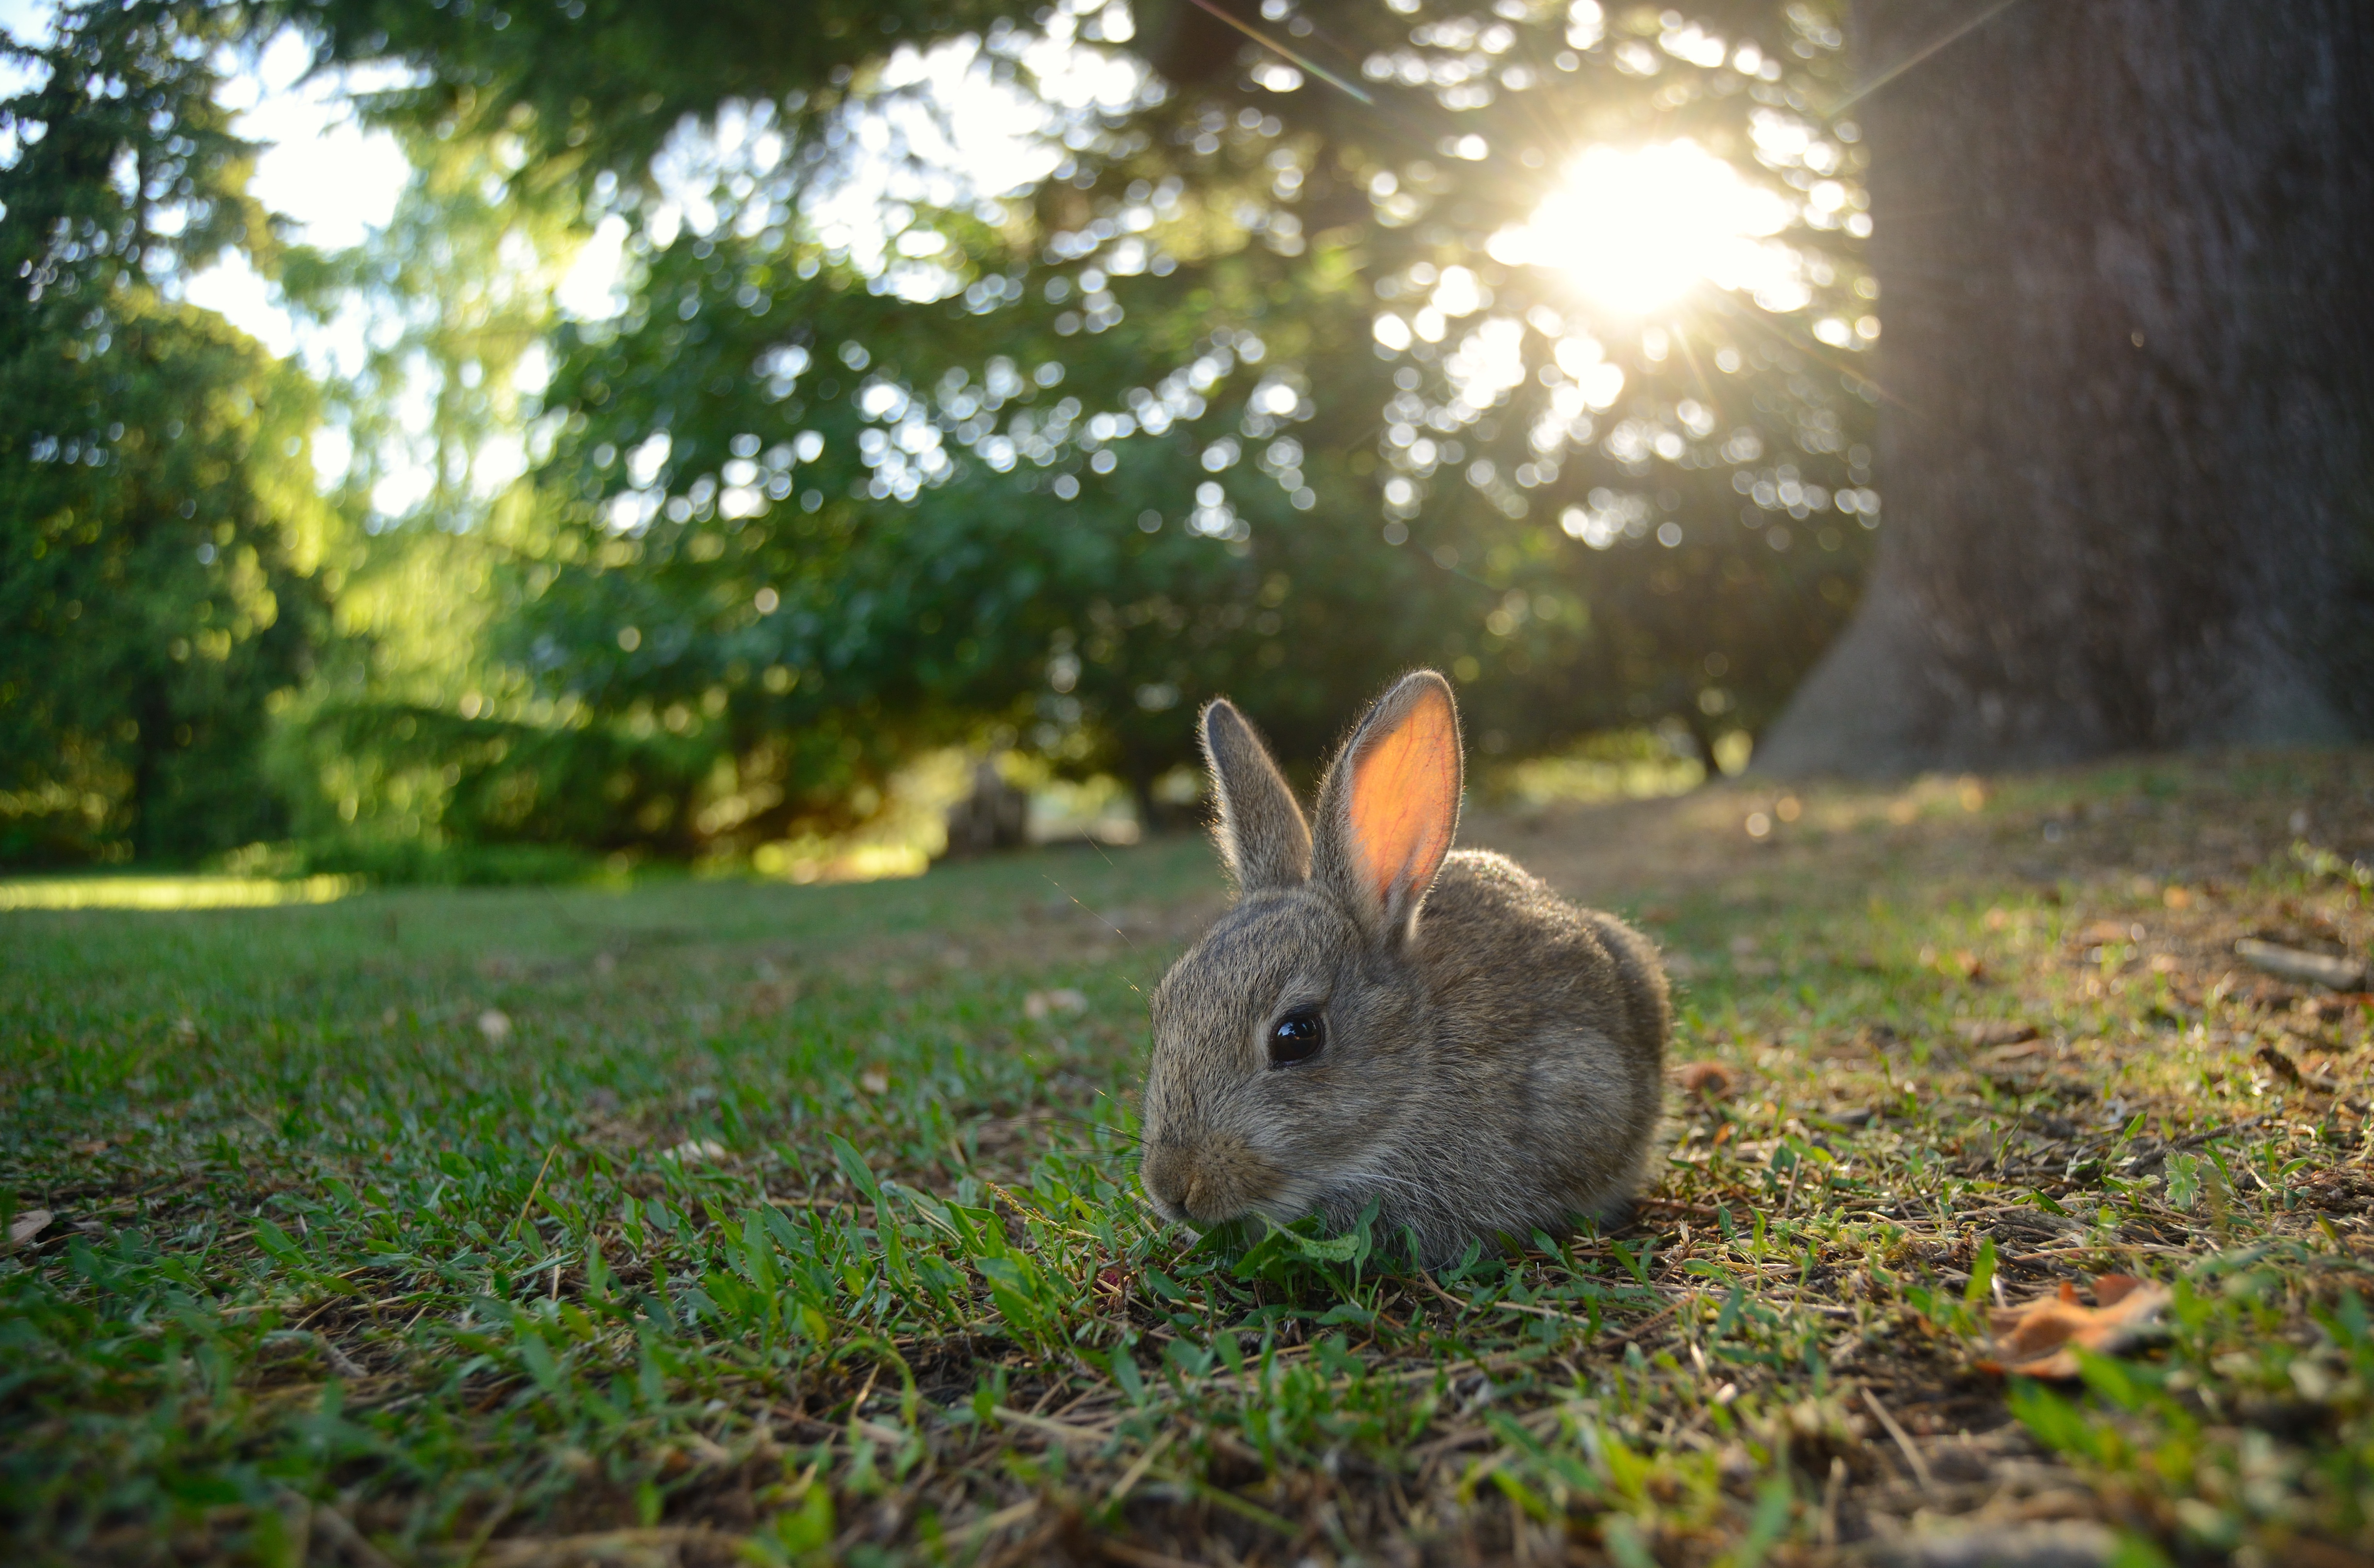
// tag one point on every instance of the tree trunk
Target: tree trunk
(2129, 373)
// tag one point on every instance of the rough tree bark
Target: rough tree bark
(2127, 441)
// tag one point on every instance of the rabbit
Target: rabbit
(1378, 1017)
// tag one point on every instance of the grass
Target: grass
(723, 1221)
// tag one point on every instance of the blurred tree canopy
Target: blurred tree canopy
(1239, 368)
(158, 572)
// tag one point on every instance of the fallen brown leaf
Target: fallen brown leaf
(28, 1225)
(2041, 1337)
(1707, 1079)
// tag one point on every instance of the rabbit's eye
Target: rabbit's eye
(1297, 1036)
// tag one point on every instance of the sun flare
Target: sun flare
(1634, 228)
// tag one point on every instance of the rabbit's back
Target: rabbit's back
(1507, 955)
(1551, 1022)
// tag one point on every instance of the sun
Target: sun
(1632, 230)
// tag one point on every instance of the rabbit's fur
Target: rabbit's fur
(1493, 1057)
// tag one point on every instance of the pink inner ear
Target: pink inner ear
(1405, 795)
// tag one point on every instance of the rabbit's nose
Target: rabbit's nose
(1169, 1176)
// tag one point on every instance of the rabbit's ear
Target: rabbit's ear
(1262, 836)
(1391, 804)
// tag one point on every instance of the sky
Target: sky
(335, 177)
(339, 180)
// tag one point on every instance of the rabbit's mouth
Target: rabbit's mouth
(1211, 1180)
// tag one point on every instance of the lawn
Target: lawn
(727, 1222)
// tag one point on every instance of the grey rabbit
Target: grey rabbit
(1378, 1017)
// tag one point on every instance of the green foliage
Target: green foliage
(156, 591)
(989, 600)
(156, 575)
(812, 508)
(599, 85)
(407, 753)
(1242, 390)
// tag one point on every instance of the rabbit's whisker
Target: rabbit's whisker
(1090, 913)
